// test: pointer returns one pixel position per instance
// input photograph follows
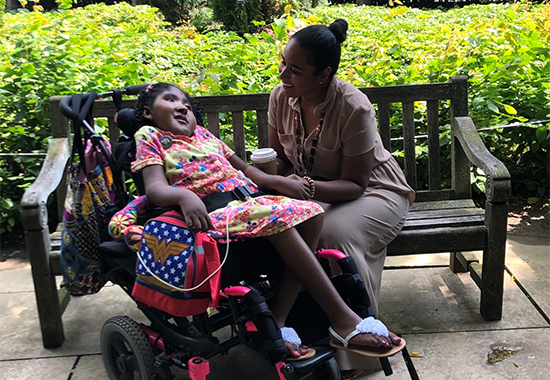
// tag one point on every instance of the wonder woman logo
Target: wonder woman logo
(161, 250)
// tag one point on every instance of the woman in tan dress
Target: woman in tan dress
(324, 130)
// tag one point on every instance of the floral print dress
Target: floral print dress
(200, 163)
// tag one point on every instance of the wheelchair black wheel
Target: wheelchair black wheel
(126, 352)
(328, 371)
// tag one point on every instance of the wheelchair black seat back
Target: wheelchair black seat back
(249, 279)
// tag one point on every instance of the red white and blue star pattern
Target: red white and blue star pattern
(165, 250)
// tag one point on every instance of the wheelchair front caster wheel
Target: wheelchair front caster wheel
(125, 350)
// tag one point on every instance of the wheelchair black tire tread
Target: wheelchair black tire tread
(135, 338)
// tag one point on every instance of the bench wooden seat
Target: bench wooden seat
(444, 217)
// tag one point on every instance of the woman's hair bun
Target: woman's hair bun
(339, 28)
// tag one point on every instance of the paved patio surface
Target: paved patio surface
(436, 311)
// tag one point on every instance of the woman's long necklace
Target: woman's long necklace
(300, 148)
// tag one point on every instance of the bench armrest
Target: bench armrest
(33, 202)
(498, 187)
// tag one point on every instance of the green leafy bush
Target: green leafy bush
(504, 49)
(246, 16)
(176, 11)
(2, 6)
(237, 16)
(202, 19)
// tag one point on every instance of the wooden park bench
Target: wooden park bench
(444, 217)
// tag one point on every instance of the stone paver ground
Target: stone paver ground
(435, 311)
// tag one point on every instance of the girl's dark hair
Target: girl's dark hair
(322, 44)
(148, 96)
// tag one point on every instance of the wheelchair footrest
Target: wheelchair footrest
(305, 367)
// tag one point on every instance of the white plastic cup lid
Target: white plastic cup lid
(263, 155)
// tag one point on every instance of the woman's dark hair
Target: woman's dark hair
(148, 96)
(322, 44)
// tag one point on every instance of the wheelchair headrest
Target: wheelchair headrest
(125, 119)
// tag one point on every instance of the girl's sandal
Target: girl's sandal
(368, 325)
(290, 336)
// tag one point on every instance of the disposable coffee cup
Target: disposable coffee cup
(265, 159)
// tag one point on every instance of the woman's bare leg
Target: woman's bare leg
(307, 270)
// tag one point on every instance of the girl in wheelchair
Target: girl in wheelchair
(183, 164)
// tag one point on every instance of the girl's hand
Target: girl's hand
(195, 214)
(160, 193)
(294, 186)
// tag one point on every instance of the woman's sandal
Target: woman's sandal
(290, 336)
(368, 325)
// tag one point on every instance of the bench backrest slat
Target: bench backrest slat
(384, 124)
(238, 134)
(263, 128)
(460, 163)
(231, 103)
(409, 93)
(213, 121)
(434, 195)
(409, 143)
(114, 132)
(434, 166)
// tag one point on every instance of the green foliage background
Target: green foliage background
(2, 6)
(238, 17)
(504, 49)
